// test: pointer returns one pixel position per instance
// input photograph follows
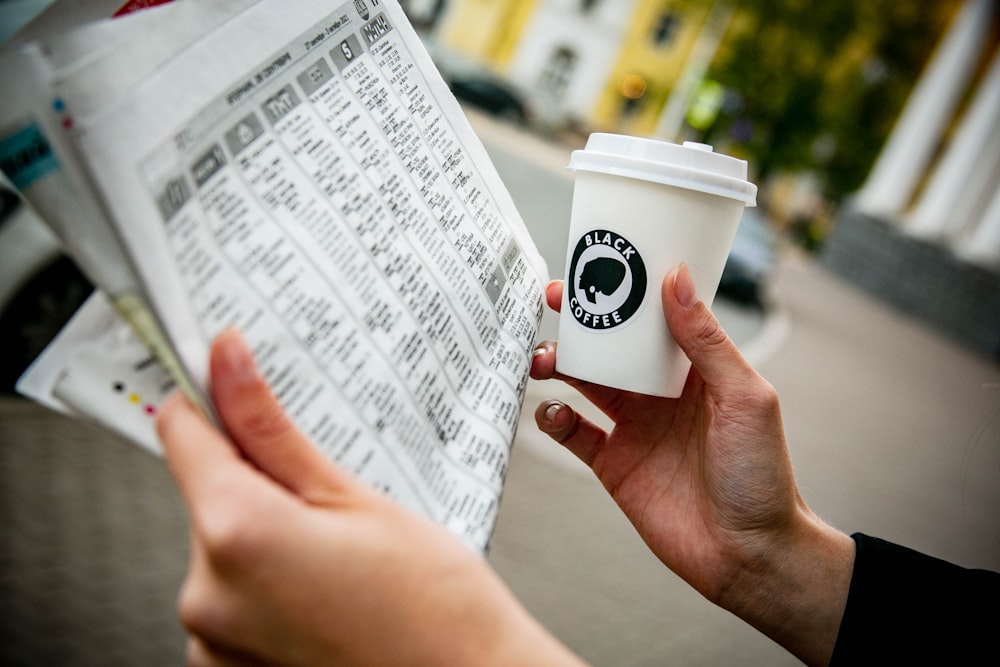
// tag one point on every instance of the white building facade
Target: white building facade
(950, 200)
(924, 231)
(568, 50)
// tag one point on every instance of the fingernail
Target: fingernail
(541, 349)
(684, 287)
(553, 411)
(237, 357)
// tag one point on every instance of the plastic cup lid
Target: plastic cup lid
(692, 165)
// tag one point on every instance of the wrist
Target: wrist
(793, 586)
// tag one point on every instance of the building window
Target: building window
(665, 28)
(558, 70)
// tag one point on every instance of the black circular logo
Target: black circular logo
(606, 282)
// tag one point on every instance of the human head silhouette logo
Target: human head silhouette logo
(602, 274)
(606, 284)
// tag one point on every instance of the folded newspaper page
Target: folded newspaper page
(37, 151)
(302, 172)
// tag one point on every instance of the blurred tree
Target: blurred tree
(818, 85)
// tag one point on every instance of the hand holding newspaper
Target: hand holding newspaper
(299, 171)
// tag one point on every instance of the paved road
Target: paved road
(894, 430)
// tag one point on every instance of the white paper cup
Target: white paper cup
(640, 208)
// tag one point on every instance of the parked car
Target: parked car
(751, 260)
(474, 83)
(491, 94)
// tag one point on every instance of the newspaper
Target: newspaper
(301, 171)
(98, 369)
(39, 154)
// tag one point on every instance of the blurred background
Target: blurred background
(871, 127)
(865, 286)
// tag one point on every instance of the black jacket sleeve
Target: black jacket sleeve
(905, 607)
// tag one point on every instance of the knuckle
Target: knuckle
(710, 333)
(227, 534)
(765, 397)
(206, 614)
(195, 609)
(759, 397)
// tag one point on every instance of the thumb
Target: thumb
(693, 325)
(261, 429)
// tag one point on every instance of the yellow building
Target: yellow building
(619, 60)
(486, 30)
(653, 54)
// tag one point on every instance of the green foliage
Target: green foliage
(820, 83)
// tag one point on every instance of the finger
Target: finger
(543, 361)
(217, 484)
(262, 430)
(554, 294)
(543, 367)
(570, 429)
(699, 334)
(615, 403)
(197, 454)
